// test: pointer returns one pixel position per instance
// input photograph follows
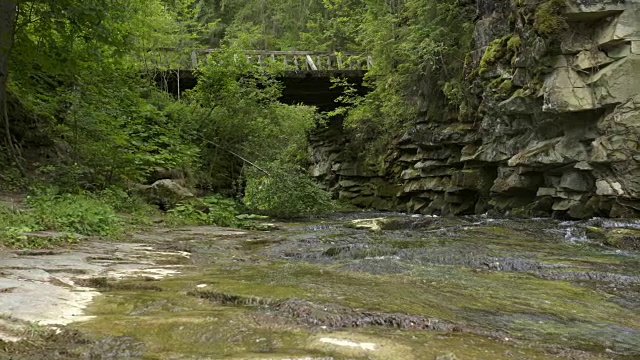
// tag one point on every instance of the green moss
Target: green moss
(549, 20)
(502, 88)
(494, 52)
(505, 88)
(519, 93)
(514, 43)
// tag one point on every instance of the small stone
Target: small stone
(582, 165)
(375, 224)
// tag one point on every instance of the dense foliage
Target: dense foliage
(83, 109)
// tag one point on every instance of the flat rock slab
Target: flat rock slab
(45, 286)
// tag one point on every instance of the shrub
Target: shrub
(69, 214)
(123, 202)
(211, 210)
(76, 213)
(285, 192)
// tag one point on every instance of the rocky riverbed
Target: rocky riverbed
(349, 286)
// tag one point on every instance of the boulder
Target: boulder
(545, 191)
(160, 173)
(621, 238)
(608, 188)
(165, 193)
(410, 174)
(564, 204)
(480, 179)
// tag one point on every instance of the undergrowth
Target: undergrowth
(69, 217)
(215, 210)
(211, 210)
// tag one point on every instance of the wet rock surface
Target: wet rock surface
(417, 287)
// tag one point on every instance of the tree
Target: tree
(8, 11)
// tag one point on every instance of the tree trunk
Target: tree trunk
(8, 11)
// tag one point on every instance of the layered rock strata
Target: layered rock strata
(556, 132)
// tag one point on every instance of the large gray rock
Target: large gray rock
(166, 193)
(576, 181)
(427, 184)
(557, 151)
(587, 60)
(619, 134)
(622, 26)
(511, 181)
(564, 90)
(617, 82)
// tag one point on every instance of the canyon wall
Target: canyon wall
(555, 132)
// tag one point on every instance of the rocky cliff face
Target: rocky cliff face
(556, 131)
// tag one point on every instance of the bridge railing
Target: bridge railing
(304, 60)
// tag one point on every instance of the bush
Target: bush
(211, 210)
(69, 214)
(75, 213)
(285, 192)
(123, 202)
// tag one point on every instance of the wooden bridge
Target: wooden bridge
(293, 60)
(306, 77)
(304, 60)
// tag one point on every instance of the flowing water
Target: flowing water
(414, 288)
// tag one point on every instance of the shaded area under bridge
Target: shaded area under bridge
(307, 79)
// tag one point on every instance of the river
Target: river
(346, 286)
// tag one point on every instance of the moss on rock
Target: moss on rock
(549, 21)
